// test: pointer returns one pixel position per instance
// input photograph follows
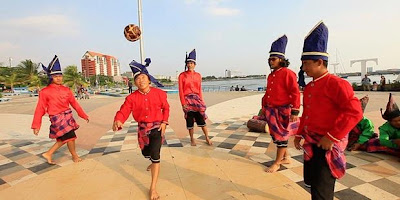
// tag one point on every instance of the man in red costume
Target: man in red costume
(55, 100)
(281, 102)
(150, 109)
(191, 98)
(330, 111)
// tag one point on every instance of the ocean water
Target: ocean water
(254, 84)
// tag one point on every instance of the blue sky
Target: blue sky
(227, 34)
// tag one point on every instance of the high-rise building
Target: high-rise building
(94, 63)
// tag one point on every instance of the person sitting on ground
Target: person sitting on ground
(232, 88)
(374, 86)
(389, 132)
(237, 88)
(364, 131)
(243, 89)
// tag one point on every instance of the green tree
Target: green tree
(101, 80)
(35, 82)
(28, 69)
(72, 78)
(12, 78)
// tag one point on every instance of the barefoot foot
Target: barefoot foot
(76, 159)
(48, 158)
(285, 161)
(154, 195)
(208, 141)
(193, 142)
(273, 168)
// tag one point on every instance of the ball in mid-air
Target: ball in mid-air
(132, 32)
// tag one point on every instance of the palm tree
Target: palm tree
(11, 79)
(72, 78)
(28, 69)
(35, 82)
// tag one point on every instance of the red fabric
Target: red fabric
(335, 158)
(144, 129)
(195, 104)
(189, 83)
(330, 108)
(282, 89)
(62, 124)
(278, 119)
(374, 145)
(55, 99)
(150, 107)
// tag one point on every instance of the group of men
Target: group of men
(330, 112)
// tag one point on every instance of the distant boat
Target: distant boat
(337, 63)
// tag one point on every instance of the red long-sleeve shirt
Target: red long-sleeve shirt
(282, 89)
(53, 100)
(145, 107)
(330, 108)
(189, 83)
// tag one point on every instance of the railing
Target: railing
(215, 88)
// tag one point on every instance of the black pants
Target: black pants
(152, 151)
(318, 175)
(191, 117)
(67, 137)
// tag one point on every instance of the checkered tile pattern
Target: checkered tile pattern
(126, 139)
(368, 176)
(21, 160)
(366, 172)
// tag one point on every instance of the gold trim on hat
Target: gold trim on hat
(313, 53)
(278, 53)
(190, 60)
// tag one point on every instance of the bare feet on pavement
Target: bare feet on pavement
(208, 141)
(76, 159)
(193, 142)
(48, 158)
(285, 161)
(273, 168)
(154, 195)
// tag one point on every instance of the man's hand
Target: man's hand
(117, 125)
(162, 128)
(36, 131)
(355, 147)
(184, 107)
(293, 118)
(297, 144)
(325, 143)
(87, 120)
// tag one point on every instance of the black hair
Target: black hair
(325, 63)
(135, 77)
(284, 62)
